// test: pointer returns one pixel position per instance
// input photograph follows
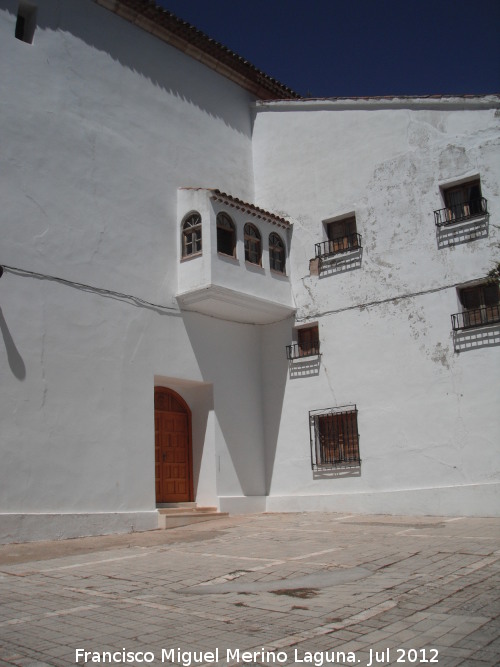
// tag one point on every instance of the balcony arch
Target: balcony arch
(191, 235)
(253, 244)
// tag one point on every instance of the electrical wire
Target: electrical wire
(172, 310)
(135, 300)
(398, 297)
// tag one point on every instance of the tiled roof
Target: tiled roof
(250, 209)
(166, 26)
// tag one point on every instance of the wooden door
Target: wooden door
(173, 467)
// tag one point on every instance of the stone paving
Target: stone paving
(271, 589)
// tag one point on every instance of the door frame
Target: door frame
(178, 398)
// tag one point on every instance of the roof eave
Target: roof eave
(224, 62)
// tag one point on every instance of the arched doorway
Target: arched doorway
(173, 466)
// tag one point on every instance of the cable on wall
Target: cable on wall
(398, 297)
(130, 298)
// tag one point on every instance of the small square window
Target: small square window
(334, 438)
(342, 237)
(307, 344)
(462, 202)
(481, 306)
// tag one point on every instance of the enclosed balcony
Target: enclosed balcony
(233, 258)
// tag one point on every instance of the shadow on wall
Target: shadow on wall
(141, 52)
(15, 360)
(201, 402)
(354, 471)
(449, 236)
(275, 368)
(230, 357)
(301, 368)
(475, 338)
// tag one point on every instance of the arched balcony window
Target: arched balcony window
(276, 253)
(253, 245)
(191, 235)
(226, 235)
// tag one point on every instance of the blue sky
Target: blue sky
(338, 48)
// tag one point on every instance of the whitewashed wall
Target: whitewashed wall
(428, 417)
(101, 123)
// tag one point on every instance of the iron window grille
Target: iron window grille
(463, 202)
(334, 438)
(307, 344)
(191, 235)
(481, 306)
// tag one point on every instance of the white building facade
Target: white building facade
(216, 292)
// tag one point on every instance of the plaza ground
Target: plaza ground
(303, 587)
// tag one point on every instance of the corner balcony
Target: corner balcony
(233, 258)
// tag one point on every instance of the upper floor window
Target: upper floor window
(253, 245)
(191, 235)
(342, 234)
(226, 235)
(276, 253)
(462, 202)
(342, 237)
(307, 344)
(481, 305)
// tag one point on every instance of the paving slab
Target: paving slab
(305, 589)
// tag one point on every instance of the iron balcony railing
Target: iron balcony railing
(337, 246)
(476, 317)
(297, 351)
(460, 212)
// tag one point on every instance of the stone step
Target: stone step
(184, 514)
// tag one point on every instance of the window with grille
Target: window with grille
(253, 245)
(342, 235)
(334, 437)
(276, 253)
(307, 344)
(226, 235)
(191, 235)
(462, 202)
(481, 306)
